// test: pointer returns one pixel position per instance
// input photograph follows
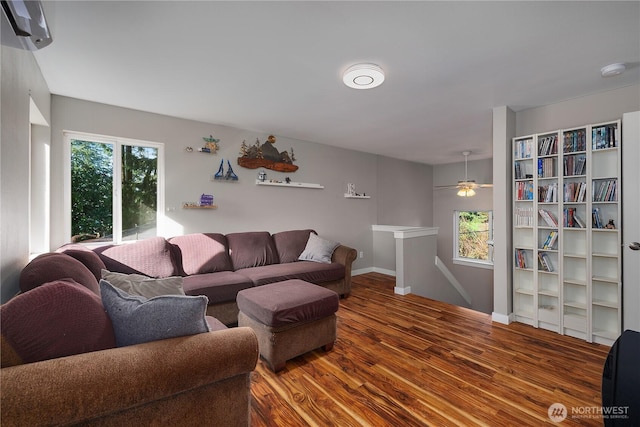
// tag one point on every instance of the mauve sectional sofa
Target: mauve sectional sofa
(219, 266)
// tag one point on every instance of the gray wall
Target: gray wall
(478, 282)
(243, 206)
(20, 78)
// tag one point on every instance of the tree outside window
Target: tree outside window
(473, 236)
(114, 190)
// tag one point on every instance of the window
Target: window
(115, 188)
(473, 238)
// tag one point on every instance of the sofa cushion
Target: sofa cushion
(219, 287)
(309, 271)
(55, 266)
(292, 301)
(137, 320)
(290, 244)
(251, 249)
(90, 259)
(203, 252)
(56, 319)
(145, 286)
(318, 249)
(215, 324)
(153, 257)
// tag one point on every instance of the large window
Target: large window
(473, 238)
(115, 187)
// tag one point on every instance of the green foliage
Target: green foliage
(473, 234)
(139, 186)
(92, 188)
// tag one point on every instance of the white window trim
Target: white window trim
(470, 262)
(117, 144)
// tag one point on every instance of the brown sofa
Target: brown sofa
(187, 381)
(61, 366)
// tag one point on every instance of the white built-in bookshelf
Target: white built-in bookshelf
(567, 256)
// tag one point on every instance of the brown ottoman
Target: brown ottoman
(290, 318)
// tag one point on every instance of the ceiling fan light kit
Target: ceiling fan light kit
(466, 187)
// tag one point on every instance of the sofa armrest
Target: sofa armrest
(345, 255)
(88, 386)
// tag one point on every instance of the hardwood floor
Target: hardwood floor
(411, 361)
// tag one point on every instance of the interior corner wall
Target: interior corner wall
(405, 193)
(243, 205)
(478, 282)
(21, 80)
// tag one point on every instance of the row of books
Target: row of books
(605, 191)
(523, 217)
(551, 240)
(596, 219)
(520, 171)
(545, 261)
(575, 165)
(523, 149)
(604, 137)
(574, 140)
(548, 217)
(548, 193)
(524, 190)
(570, 219)
(546, 167)
(521, 258)
(548, 145)
(574, 191)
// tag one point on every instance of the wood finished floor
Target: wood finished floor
(411, 361)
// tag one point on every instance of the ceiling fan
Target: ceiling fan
(466, 187)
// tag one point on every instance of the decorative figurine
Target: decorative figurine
(262, 176)
(610, 225)
(211, 145)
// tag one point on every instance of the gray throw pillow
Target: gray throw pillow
(138, 284)
(318, 249)
(137, 320)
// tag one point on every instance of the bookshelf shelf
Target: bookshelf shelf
(566, 240)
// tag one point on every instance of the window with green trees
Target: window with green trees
(114, 189)
(474, 235)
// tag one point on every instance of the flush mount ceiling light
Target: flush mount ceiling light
(363, 76)
(613, 70)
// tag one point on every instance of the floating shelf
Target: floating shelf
(290, 184)
(199, 206)
(349, 196)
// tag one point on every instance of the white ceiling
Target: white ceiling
(275, 67)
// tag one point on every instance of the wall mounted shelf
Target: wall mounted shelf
(199, 206)
(291, 184)
(351, 196)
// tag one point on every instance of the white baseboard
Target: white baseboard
(361, 271)
(505, 319)
(384, 271)
(402, 291)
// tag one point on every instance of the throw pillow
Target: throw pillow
(137, 284)
(55, 319)
(138, 320)
(318, 249)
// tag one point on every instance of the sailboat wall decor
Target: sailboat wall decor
(221, 175)
(266, 156)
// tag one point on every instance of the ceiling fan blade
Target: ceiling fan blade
(445, 187)
(485, 185)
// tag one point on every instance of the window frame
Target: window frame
(472, 262)
(118, 143)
